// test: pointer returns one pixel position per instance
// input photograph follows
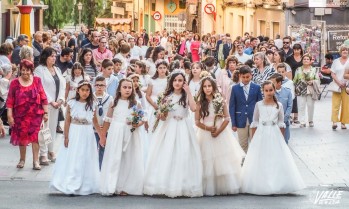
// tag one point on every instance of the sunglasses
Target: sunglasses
(286, 42)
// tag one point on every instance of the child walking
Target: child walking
(122, 169)
(77, 75)
(103, 101)
(221, 152)
(269, 167)
(156, 86)
(174, 165)
(111, 80)
(76, 170)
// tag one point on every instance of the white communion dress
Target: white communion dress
(174, 165)
(123, 166)
(269, 167)
(76, 169)
(159, 86)
(221, 158)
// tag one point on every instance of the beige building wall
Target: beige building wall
(208, 24)
(269, 22)
(238, 20)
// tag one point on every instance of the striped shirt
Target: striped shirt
(259, 78)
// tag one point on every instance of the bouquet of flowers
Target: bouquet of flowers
(164, 106)
(218, 103)
(136, 116)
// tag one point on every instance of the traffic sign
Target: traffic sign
(209, 9)
(157, 15)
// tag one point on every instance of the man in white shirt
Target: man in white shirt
(241, 56)
(135, 51)
(278, 42)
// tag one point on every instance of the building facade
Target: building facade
(10, 17)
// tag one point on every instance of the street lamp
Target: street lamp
(79, 8)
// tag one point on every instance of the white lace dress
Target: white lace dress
(76, 169)
(221, 158)
(269, 167)
(174, 165)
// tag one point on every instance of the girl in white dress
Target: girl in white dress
(156, 86)
(194, 78)
(76, 170)
(269, 167)
(123, 168)
(77, 75)
(174, 165)
(140, 97)
(144, 78)
(221, 152)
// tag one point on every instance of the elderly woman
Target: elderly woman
(305, 99)
(340, 100)
(5, 83)
(26, 108)
(26, 52)
(263, 69)
(54, 85)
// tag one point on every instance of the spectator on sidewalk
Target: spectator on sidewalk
(101, 53)
(22, 40)
(340, 100)
(325, 71)
(26, 112)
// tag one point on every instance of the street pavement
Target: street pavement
(321, 154)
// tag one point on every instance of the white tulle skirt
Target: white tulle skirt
(123, 164)
(174, 165)
(269, 167)
(221, 159)
(76, 169)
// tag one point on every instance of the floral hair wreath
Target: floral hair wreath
(204, 75)
(177, 71)
(85, 82)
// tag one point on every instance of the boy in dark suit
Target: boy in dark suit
(243, 99)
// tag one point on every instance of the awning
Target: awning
(113, 21)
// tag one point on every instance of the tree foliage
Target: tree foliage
(59, 12)
(90, 10)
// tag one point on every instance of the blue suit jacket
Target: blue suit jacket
(239, 108)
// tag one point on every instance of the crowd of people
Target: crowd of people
(155, 114)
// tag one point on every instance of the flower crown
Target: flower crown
(206, 74)
(177, 71)
(85, 82)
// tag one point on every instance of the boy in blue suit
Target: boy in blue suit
(243, 99)
(284, 96)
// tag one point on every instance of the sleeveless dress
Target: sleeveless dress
(123, 166)
(76, 169)
(221, 158)
(159, 86)
(174, 166)
(269, 167)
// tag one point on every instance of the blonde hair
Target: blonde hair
(26, 52)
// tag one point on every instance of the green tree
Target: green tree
(90, 10)
(59, 12)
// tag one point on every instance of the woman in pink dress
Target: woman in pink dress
(194, 48)
(26, 108)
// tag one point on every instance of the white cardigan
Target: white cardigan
(49, 83)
